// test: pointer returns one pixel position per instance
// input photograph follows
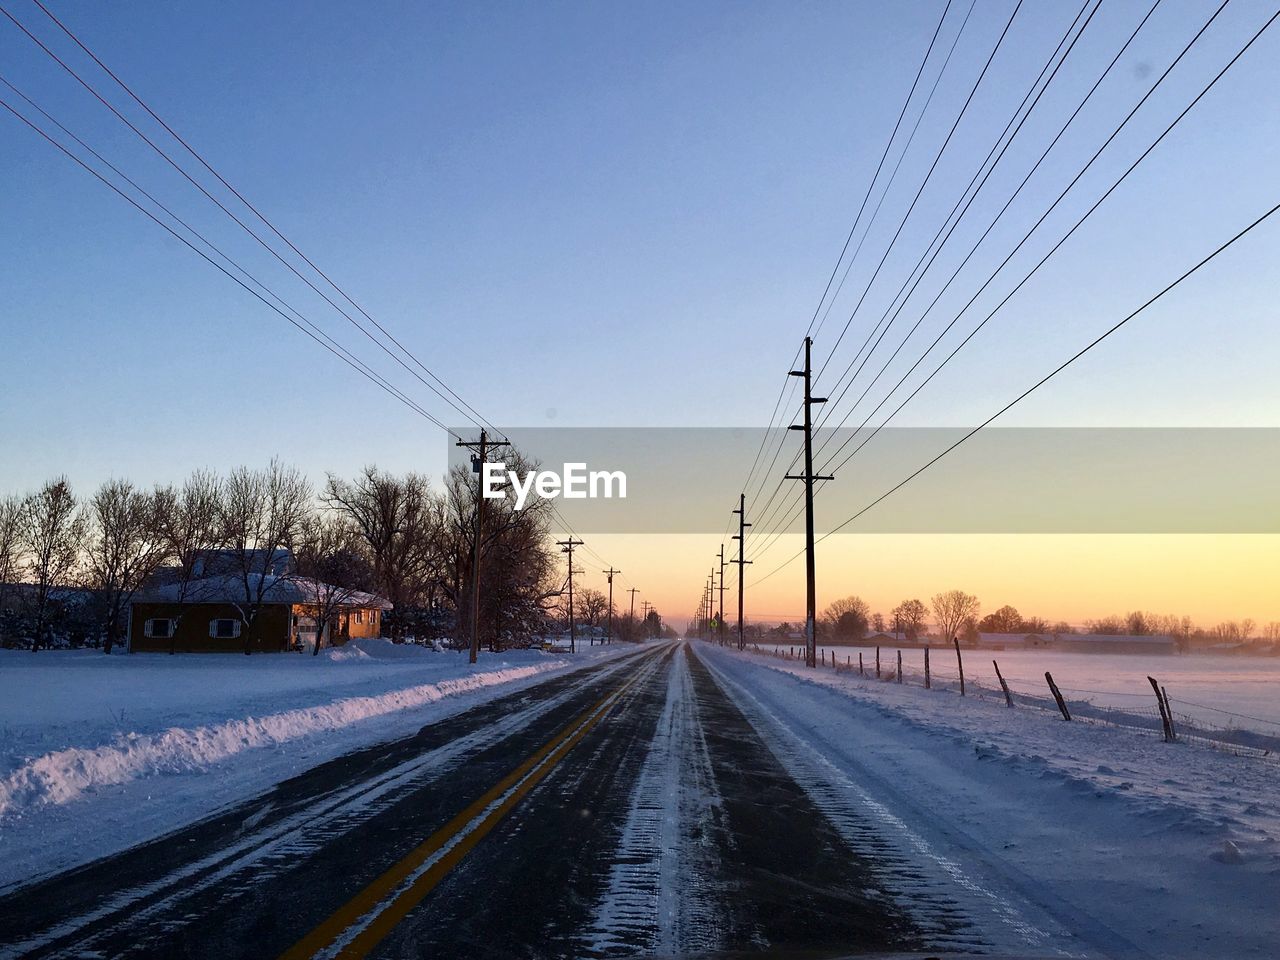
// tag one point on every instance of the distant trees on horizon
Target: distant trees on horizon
(69, 568)
(955, 614)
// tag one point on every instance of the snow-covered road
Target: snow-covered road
(1132, 846)
(686, 799)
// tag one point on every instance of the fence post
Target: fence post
(1164, 711)
(877, 663)
(959, 663)
(861, 672)
(927, 681)
(1169, 709)
(1057, 695)
(899, 666)
(1003, 686)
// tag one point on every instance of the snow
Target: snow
(655, 900)
(101, 752)
(1064, 837)
(1225, 691)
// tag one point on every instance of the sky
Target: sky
(624, 215)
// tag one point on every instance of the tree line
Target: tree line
(956, 614)
(70, 567)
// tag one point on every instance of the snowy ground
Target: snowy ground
(1135, 846)
(1225, 691)
(98, 753)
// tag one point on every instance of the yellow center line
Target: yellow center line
(523, 779)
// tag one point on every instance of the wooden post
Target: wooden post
(861, 672)
(927, 681)
(899, 666)
(1164, 711)
(1168, 708)
(877, 663)
(959, 663)
(1003, 686)
(1057, 695)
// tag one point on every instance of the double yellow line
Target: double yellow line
(442, 850)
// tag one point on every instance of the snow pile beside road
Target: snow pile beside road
(159, 690)
(1175, 847)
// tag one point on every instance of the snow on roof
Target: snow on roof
(290, 589)
(1154, 639)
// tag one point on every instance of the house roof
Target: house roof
(290, 589)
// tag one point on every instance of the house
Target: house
(1016, 641)
(211, 618)
(1109, 643)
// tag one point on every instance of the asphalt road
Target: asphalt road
(628, 809)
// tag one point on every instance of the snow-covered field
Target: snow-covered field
(1224, 691)
(1138, 847)
(100, 752)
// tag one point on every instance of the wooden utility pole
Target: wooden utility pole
(720, 624)
(811, 592)
(741, 537)
(480, 454)
(566, 546)
(632, 615)
(608, 632)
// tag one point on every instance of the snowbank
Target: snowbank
(1142, 846)
(116, 715)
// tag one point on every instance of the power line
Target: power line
(337, 351)
(1031, 231)
(1178, 119)
(1043, 380)
(244, 226)
(925, 182)
(961, 200)
(789, 384)
(173, 133)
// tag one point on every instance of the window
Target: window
(373, 616)
(224, 629)
(160, 628)
(359, 616)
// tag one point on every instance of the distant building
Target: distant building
(210, 620)
(1078, 642)
(1111, 643)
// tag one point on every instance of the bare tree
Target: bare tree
(123, 548)
(518, 571)
(10, 545)
(1005, 620)
(52, 530)
(187, 519)
(952, 609)
(330, 570)
(260, 514)
(847, 618)
(592, 606)
(910, 616)
(401, 522)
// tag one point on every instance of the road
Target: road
(626, 809)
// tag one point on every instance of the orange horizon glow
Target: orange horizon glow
(1071, 577)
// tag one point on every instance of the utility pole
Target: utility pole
(480, 453)
(632, 615)
(566, 546)
(742, 561)
(608, 635)
(811, 598)
(644, 611)
(711, 602)
(720, 625)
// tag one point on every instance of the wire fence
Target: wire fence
(1238, 733)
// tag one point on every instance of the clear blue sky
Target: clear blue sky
(601, 214)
